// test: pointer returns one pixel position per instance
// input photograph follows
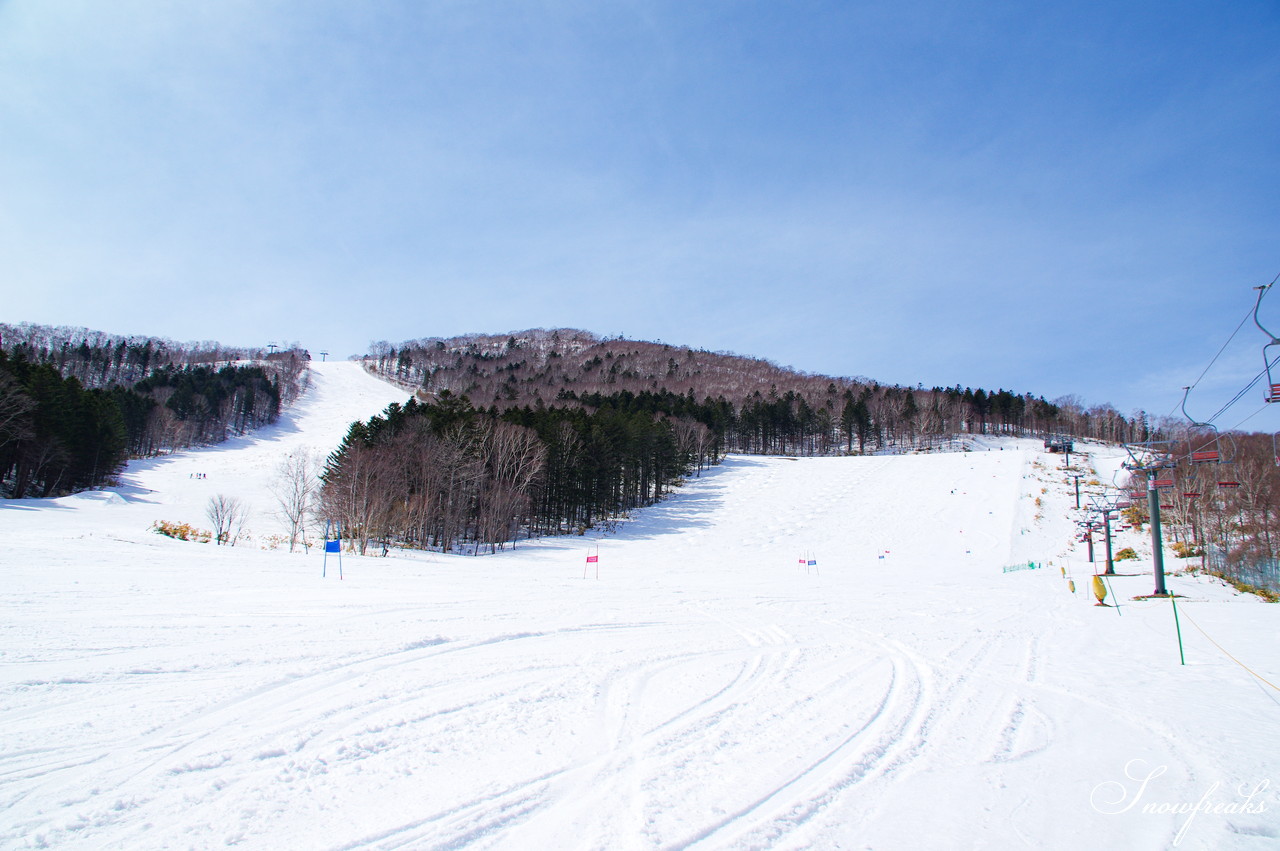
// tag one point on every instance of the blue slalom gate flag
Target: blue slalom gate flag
(332, 546)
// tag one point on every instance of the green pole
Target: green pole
(1106, 522)
(1113, 593)
(1178, 627)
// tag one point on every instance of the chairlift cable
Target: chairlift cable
(1245, 319)
(1245, 389)
(1251, 313)
(1246, 419)
(1266, 372)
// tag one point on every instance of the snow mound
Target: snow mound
(103, 497)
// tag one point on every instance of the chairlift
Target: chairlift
(1273, 382)
(1145, 456)
(1190, 494)
(1211, 450)
(1228, 485)
(1058, 443)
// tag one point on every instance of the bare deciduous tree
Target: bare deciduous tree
(227, 514)
(693, 440)
(294, 487)
(514, 457)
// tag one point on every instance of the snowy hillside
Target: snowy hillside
(707, 690)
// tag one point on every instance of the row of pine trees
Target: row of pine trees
(447, 475)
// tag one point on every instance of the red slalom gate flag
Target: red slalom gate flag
(590, 559)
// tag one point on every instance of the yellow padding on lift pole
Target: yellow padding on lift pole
(1099, 590)
(1071, 585)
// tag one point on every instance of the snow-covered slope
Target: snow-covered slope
(706, 691)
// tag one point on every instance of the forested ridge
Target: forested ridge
(752, 404)
(76, 404)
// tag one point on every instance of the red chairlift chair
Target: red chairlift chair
(1273, 382)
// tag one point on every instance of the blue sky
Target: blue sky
(1061, 199)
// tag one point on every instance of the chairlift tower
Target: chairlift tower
(323, 355)
(1077, 477)
(1105, 506)
(1154, 459)
(1089, 527)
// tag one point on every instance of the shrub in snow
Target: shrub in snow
(182, 531)
(1186, 549)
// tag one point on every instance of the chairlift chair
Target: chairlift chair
(1273, 388)
(1220, 449)
(1212, 449)
(1273, 381)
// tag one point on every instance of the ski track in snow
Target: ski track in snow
(707, 692)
